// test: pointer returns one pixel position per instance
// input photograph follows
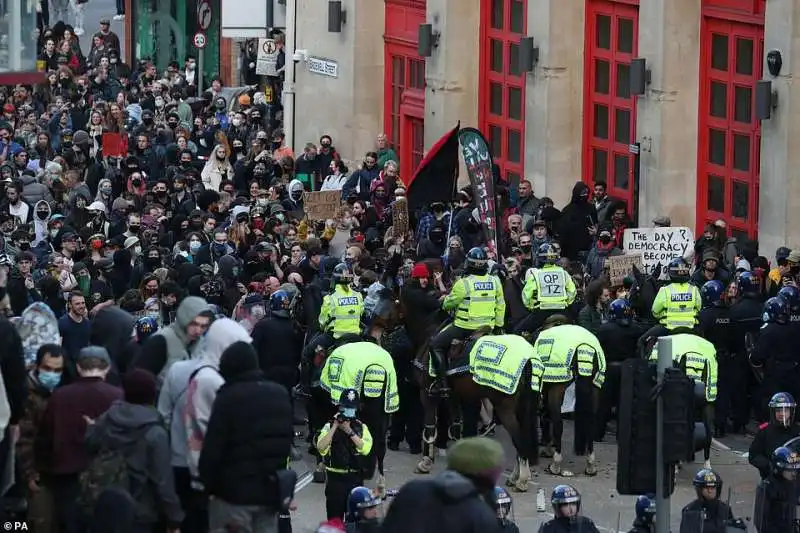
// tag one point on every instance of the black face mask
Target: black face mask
(276, 145)
(148, 120)
(196, 225)
(24, 246)
(172, 125)
(42, 215)
(526, 247)
(605, 239)
(136, 183)
(186, 164)
(134, 228)
(795, 270)
(153, 261)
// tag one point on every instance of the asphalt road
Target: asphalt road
(609, 510)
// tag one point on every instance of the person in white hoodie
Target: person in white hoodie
(187, 396)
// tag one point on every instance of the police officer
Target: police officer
(698, 359)
(714, 325)
(676, 305)
(645, 514)
(776, 496)
(478, 302)
(779, 430)
(548, 290)
(342, 308)
(362, 511)
(618, 338)
(745, 317)
(776, 351)
(566, 502)
(343, 444)
(504, 506)
(569, 353)
(706, 514)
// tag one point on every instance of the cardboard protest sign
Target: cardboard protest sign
(658, 246)
(322, 205)
(620, 266)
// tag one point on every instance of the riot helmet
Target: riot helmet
(704, 480)
(748, 283)
(712, 292)
(342, 275)
(678, 270)
(503, 504)
(477, 261)
(792, 296)
(646, 509)
(566, 501)
(547, 254)
(145, 327)
(362, 506)
(781, 409)
(785, 463)
(620, 311)
(776, 311)
(279, 304)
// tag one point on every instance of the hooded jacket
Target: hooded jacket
(138, 431)
(39, 225)
(446, 503)
(37, 326)
(170, 344)
(206, 381)
(294, 207)
(576, 217)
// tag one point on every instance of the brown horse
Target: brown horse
(517, 412)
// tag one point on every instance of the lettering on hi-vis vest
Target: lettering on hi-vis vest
(681, 297)
(350, 300)
(483, 286)
(552, 284)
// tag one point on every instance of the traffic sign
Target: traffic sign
(267, 60)
(204, 15)
(199, 40)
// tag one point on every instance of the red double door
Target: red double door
(404, 82)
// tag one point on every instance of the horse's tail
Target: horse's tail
(584, 421)
(527, 411)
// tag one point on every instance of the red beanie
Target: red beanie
(420, 270)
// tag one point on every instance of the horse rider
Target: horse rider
(746, 322)
(676, 305)
(697, 357)
(548, 290)
(714, 325)
(478, 302)
(776, 351)
(569, 353)
(779, 430)
(618, 337)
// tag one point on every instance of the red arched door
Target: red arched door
(609, 124)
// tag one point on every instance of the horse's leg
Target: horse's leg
(456, 428)
(505, 408)
(555, 398)
(429, 434)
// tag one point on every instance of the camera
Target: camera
(341, 418)
(300, 55)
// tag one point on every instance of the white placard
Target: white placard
(659, 246)
(323, 67)
(267, 61)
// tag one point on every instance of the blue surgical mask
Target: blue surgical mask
(348, 412)
(194, 246)
(49, 380)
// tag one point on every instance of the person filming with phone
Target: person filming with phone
(344, 444)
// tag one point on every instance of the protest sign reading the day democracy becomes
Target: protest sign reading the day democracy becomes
(658, 246)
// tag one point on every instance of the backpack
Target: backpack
(107, 469)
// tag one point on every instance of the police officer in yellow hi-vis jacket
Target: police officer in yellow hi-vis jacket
(341, 309)
(570, 353)
(697, 357)
(343, 443)
(478, 302)
(677, 304)
(548, 290)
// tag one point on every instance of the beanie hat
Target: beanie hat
(478, 458)
(80, 137)
(139, 386)
(237, 359)
(420, 270)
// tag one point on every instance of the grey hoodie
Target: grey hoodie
(138, 431)
(33, 190)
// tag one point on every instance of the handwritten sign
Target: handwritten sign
(658, 246)
(620, 266)
(322, 205)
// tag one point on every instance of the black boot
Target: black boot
(439, 387)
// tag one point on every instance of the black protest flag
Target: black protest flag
(478, 160)
(435, 178)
